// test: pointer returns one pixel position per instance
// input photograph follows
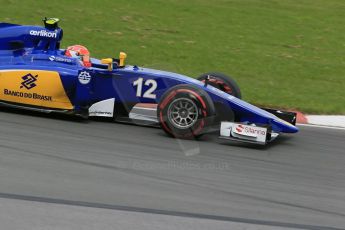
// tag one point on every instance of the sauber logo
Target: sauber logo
(60, 59)
(253, 130)
(29, 81)
(239, 128)
(249, 130)
(84, 77)
(43, 33)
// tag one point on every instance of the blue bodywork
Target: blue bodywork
(38, 48)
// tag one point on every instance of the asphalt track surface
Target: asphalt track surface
(297, 182)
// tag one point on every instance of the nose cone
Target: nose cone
(293, 129)
(285, 126)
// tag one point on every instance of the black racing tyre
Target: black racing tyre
(185, 111)
(222, 82)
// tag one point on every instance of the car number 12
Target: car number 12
(149, 92)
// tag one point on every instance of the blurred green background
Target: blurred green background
(283, 53)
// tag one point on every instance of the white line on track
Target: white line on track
(321, 126)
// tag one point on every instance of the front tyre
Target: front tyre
(185, 111)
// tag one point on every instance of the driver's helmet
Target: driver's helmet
(81, 52)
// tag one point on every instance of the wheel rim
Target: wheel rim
(183, 113)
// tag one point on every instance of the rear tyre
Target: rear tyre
(185, 112)
(222, 82)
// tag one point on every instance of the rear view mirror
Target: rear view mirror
(122, 58)
(109, 62)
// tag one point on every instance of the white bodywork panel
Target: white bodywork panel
(144, 112)
(103, 108)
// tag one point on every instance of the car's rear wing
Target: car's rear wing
(17, 38)
(4, 25)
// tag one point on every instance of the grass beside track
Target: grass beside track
(283, 53)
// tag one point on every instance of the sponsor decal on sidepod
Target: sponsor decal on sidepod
(29, 82)
(27, 95)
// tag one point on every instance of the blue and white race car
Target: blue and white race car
(36, 74)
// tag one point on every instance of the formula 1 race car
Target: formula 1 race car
(36, 74)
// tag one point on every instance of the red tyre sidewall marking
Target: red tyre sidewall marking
(167, 99)
(224, 85)
(165, 127)
(162, 106)
(227, 88)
